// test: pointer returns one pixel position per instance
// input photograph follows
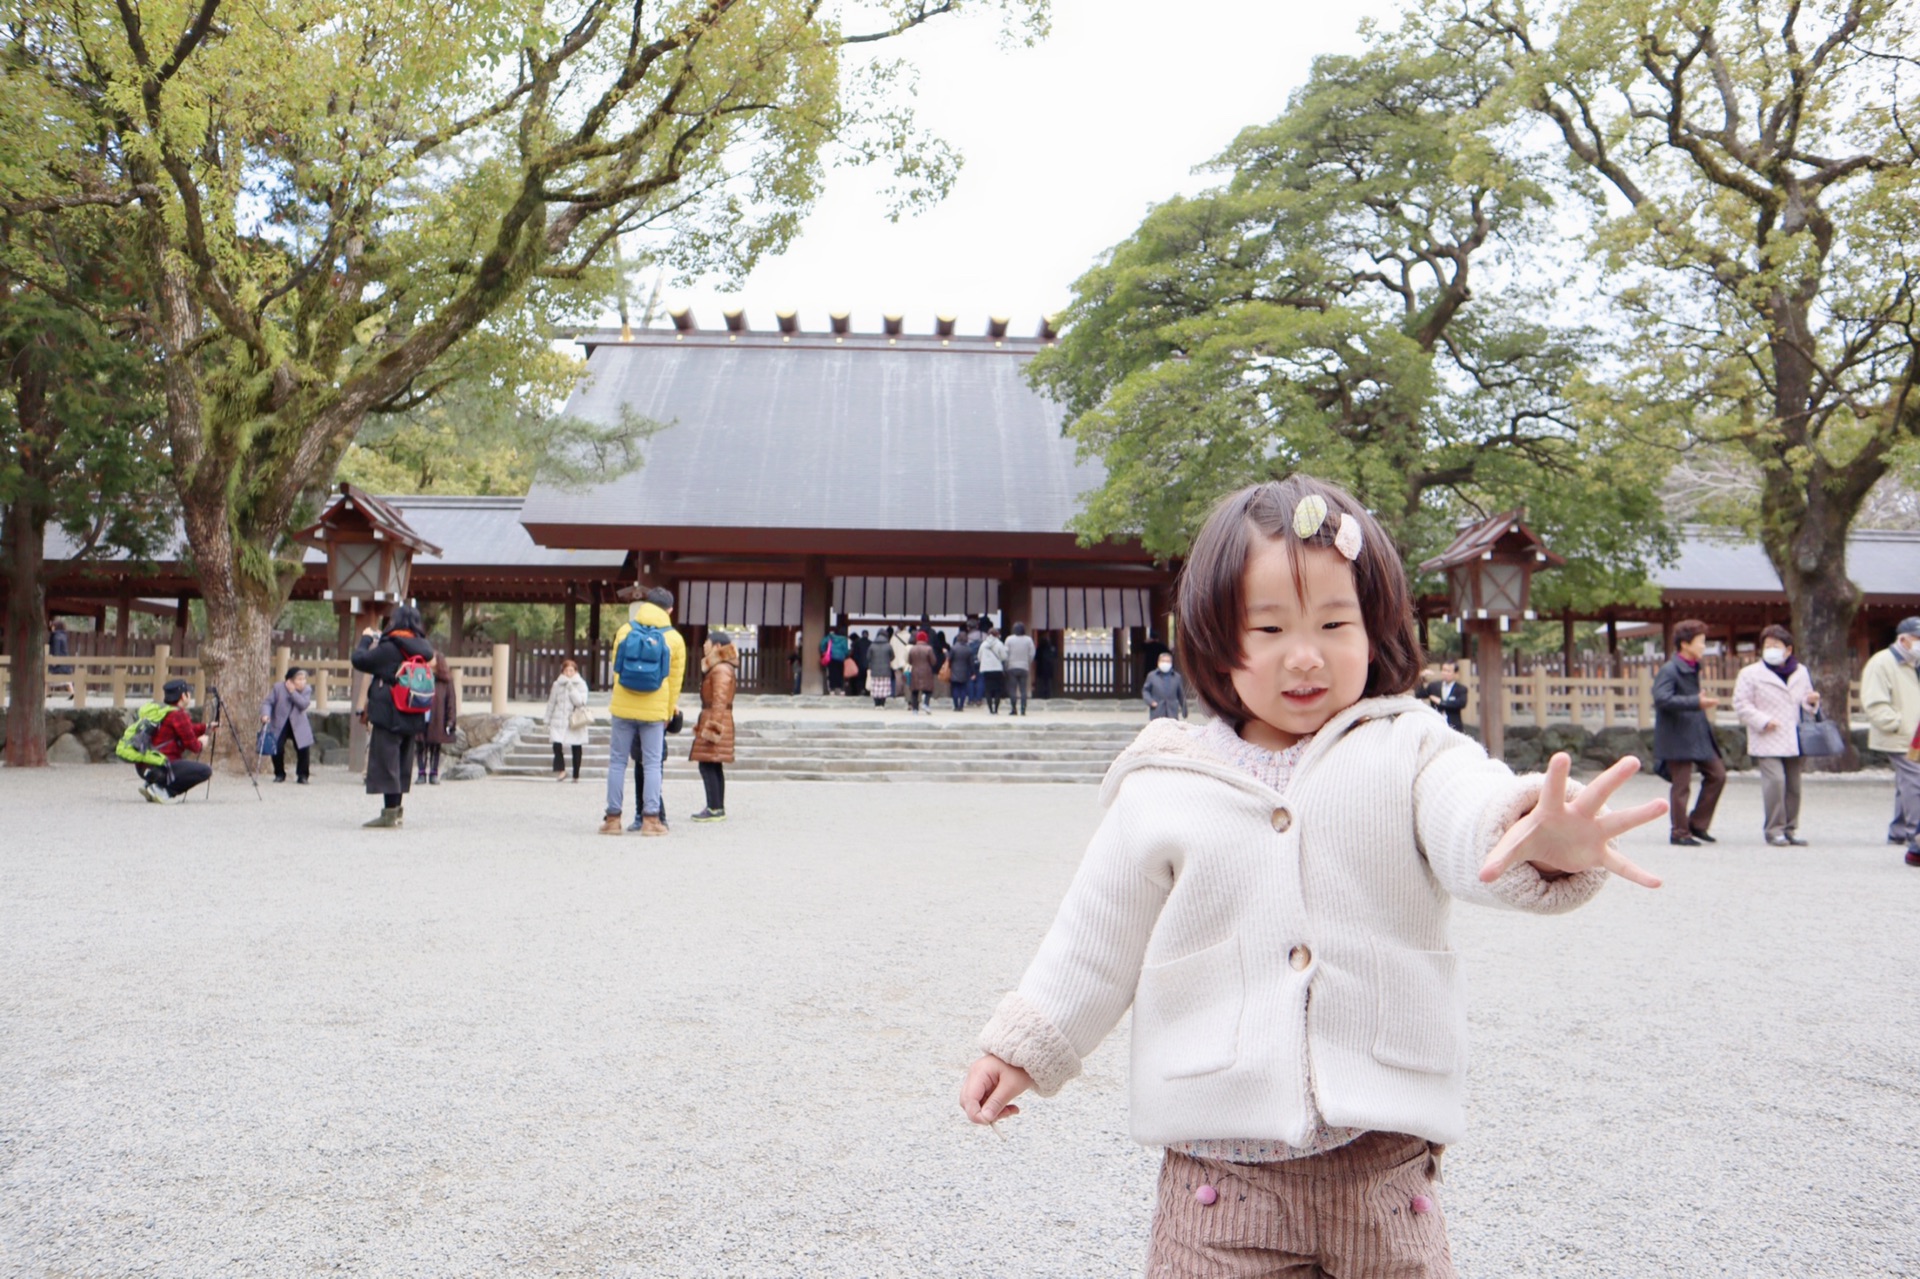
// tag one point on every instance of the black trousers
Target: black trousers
(560, 763)
(714, 778)
(429, 758)
(303, 756)
(178, 777)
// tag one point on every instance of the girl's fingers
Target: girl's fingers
(1553, 791)
(1601, 788)
(1625, 869)
(1005, 1090)
(1612, 824)
(1505, 853)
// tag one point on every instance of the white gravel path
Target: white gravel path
(244, 1038)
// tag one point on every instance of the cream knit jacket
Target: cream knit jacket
(1251, 933)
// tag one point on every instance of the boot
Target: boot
(611, 825)
(651, 825)
(389, 819)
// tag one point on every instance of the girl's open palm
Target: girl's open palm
(1569, 836)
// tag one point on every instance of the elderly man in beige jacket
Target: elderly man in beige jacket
(1890, 696)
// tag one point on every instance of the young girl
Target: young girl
(1270, 894)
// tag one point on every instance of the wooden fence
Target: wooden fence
(130, 681)
(1542, 697)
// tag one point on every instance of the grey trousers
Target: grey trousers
(1906, 799)
(1780, 792)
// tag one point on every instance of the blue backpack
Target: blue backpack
(643, 659)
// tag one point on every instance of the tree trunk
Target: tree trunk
(1824, 602)
(25, 531)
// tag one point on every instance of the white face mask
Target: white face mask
(1773, 656)
(1166, 666)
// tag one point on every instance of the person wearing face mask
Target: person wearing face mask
(1768, 696)
(1890, 697)
(1164, 692)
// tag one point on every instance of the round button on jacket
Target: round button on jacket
(1282, 820)
(1299, 957)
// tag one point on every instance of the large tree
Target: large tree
(1754, 167)
(80, 444)
(1359, 299)
(334, 196)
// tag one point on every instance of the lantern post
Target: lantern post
(370, 550)
(1489, 568)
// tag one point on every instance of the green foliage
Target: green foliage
(1751, 178)
(331, 201)
(1363, 299)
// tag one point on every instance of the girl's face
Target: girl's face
(1306, 658)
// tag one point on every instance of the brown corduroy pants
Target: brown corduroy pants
(1345, 1214)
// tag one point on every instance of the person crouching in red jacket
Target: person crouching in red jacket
(177, 737)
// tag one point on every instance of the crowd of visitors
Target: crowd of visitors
(978, 665)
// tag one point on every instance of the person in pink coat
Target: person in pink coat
(1768, 696)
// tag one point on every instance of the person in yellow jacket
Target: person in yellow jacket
(1890, 696)
(646, 692)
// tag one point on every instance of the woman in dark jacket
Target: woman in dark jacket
(440, 720)
(961, 656)
(391, 741)
(920, 673)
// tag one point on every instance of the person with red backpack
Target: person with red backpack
(398, 704)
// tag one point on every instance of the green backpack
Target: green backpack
(136, 744)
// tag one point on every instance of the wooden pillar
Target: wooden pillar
(457, 616)
(1566, 643)
(816, 601)
(357, 684)
(1016, 597)
(1426, 644)
(1492, 688)
(594, 599)
(573, 628)
(1613, 646)
(1666, 631)
(182, 618)
(121, 623)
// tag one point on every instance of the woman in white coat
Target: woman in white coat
(568, 720)
(1768, 696)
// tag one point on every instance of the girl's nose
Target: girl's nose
(1303, 657)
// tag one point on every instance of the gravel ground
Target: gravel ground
(245, 1038)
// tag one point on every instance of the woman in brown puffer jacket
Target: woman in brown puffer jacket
(713, 733)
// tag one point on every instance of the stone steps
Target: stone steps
(976, 750)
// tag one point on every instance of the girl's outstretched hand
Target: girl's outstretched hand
(1565, 837)
(990, 1084)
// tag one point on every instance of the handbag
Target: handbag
(1820, 737)
(580, 718)
(850, 668)
(678, 722)
(945, 673)
(269, 742)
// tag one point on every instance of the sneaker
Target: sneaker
(711, 815)
(560, 776)
(1796, 841)
(1685, 841)
(153, 794)
(652, 826)
(1704, 838)
(610, 825)
(1913, 855)
(1778, 842)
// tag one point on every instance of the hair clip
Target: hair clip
(1347, 540)
(1309, 515)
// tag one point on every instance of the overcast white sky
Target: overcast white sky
(1066, 146)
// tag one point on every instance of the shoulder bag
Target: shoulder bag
(1820, 737)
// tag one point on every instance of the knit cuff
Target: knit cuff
(1020, 1035)
(1521, 886)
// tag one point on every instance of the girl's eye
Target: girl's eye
(1334, 626)
(1268, 630)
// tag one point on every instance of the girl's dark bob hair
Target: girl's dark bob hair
(1212, 602)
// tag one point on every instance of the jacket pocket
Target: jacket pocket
(1190, 1010)
(1417, 1009)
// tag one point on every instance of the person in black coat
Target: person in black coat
(1447, 695)
(1683, 737)
(393, 734)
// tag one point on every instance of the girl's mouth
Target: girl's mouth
(1303, 696)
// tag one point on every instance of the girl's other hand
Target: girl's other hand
(990, 1084)
(1562, 837)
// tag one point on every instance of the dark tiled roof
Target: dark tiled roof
(765, 432)
(1718, 562)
